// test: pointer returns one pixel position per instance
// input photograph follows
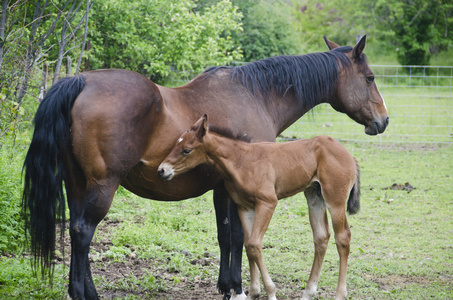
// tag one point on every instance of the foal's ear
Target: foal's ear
(331, 45)
(203, 128)
(358, 49)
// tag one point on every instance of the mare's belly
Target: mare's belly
(145, 182)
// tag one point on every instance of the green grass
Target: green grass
(402, 245)
(401, 242)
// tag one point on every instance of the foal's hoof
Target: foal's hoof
(242, 296)
(307, 295)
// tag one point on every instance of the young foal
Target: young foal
(257, 175)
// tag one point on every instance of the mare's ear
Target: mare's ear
(203, 128)
(331, 45)
(358, 49)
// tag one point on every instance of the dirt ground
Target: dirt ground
(118, 273)
(114, 273)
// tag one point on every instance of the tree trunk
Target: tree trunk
(64, 38)
(29, 60)
(82, 49)
(2, 29)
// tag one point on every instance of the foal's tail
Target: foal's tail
(43, 198)
(354, 195)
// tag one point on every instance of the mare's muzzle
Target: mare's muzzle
(377, 126)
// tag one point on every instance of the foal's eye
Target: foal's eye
(370, 79)
(186, 151)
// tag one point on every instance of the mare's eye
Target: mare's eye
(186, 151)
(370, 79)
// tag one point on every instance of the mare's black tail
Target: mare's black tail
(354, 196)
(43, 198)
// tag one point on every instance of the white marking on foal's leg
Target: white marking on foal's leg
(241, 296)
(309, 292)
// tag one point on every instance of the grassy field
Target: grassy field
(402, 246)
(402, 242)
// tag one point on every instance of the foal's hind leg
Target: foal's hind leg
(86, 212)
(321, 235)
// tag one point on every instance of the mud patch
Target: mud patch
(401, 187)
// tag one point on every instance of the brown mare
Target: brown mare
(257, 175)
(92, 130)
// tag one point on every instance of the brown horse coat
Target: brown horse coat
(257, 175)
(92, 130)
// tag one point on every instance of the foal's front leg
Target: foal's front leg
(255, 223)
(247, 217)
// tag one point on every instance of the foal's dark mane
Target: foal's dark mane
(311, 77)
(226, 132)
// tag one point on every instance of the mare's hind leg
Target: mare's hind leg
(321, 235)
(86, 213)
(231, 241)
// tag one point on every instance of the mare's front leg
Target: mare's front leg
(86, 213)
(255, 223)
(320, 227)
(231, 241)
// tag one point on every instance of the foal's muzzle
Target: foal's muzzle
(165, 171)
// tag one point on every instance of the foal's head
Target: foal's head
(188, 152)
(357, 93)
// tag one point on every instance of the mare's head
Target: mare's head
(188, 151)
(357, 94)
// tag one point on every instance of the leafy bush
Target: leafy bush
(156, 37)
(11, 224)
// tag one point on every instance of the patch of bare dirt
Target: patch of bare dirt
(114, 279)
(402, 187)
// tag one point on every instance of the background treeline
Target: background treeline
(42, 40)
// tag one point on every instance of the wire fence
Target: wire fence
(419, 101)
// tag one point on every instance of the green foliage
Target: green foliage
(269, 29)
(419, 28)
(156, 37)
(11, 224)
(330, 18)
(411, 30)
(17, 281)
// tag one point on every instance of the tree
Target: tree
(416, 28)
(419, 28)
(268, 29)
(156, 37)
(2, 29)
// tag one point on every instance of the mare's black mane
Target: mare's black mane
(311, 77)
